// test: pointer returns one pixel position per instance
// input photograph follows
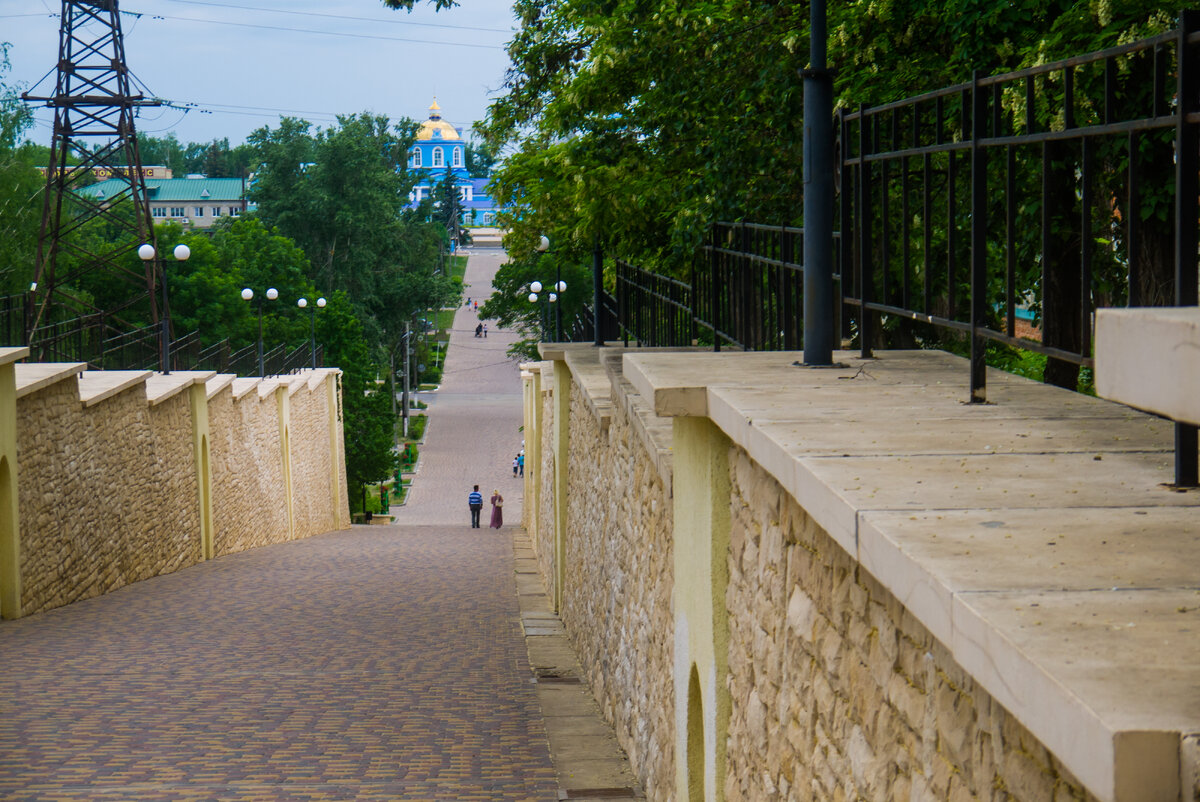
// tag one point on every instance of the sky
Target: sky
(245, 64)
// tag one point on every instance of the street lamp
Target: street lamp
(248, 295)
(146, 253)
(555, 289)
(302, 303)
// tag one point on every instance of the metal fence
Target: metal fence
(95, 341)
(1005, 210)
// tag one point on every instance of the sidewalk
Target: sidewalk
(383, 662)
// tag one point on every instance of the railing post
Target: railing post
(978, 242)
(597, 291)
(1187, 186)
(714, 318)
(865, 271)
(818, 196)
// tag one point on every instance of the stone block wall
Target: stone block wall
(249, 508)
(838, 692)
(545, 482)
(617, 589)
(311, 463)
(109, 493)
(98, 501)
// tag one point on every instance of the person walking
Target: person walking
(515, 461)
(479, 330)
(475, 502)
(485, 331)
(521, 462)
(497, 510)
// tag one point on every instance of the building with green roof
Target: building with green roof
(195, 201)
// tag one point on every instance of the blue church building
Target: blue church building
(440, 146)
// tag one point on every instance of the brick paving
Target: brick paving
(375, 663)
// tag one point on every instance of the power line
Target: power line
(329, 33)
(342, 16)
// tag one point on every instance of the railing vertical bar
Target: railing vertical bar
(865, 268)
(1133, 247)
(1187, 209)
(1010, 237)
(978, 242)
(1087, 245)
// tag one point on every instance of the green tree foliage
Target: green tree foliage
(479, 157)
(20, 189)
(641, 122)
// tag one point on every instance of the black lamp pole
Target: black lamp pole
(146, 253)
(271, 295)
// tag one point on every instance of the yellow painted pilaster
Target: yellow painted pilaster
(562, 413)
(201, 437)
(337, 490)
(285, 454)
(701, 490)
(533, 462)
(10, 524)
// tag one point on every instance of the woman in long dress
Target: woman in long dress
(497, 510)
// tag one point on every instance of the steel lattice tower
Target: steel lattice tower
(93, 121)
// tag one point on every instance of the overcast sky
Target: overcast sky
(244, 64)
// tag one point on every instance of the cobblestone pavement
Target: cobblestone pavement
(375, 663)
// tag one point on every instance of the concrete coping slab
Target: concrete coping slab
(1167, 385)
(34, 376)
(317, 377)
(218, 383)
(244, 386)
(160, 387)
(8, 355)
(1035, 536)
(269, 385)
(595, 387)
(96, 386)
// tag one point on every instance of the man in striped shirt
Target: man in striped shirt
(475, 502)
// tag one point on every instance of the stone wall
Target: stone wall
(838, 692)
(249, 509)
(118, 517)
(617, 589)
(109, 491)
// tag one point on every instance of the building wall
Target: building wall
(109, 494)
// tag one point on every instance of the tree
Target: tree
(20, 189)
(479, 156)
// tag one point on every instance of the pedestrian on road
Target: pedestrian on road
(516, 460)
(485, 331)
(475, 502)
(468, 303)
(497, 510)
(479, 330)
(521, 462)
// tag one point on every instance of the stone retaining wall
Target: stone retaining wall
(617, 589)
(838, 692)
(835, 689)
(109, 492)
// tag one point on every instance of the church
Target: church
(441, 147)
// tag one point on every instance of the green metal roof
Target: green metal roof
(174, 190)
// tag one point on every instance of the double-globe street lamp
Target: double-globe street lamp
(271, 295)
(302, 303)
(146, 252)
(556, 289)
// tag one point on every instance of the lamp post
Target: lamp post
(146, 252)
(302, 303)
(248, 295)
(535, 289)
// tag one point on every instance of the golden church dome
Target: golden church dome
(436, 123)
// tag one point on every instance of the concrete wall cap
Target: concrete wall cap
(218, 383)
(35, 376)
(96, 386)
(243, 386)
(8, 355)
(160, 387)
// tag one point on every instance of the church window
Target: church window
(458, 157)
(439, 160)
(415, 159)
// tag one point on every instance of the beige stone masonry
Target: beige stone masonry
(111, 477)
(1033, 538)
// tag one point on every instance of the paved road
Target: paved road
(475, 428)
(375, 663)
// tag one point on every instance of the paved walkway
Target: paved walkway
(376, 663)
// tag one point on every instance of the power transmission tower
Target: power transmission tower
(93, 122)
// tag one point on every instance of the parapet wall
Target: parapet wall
(122, 476)
(779, 592)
